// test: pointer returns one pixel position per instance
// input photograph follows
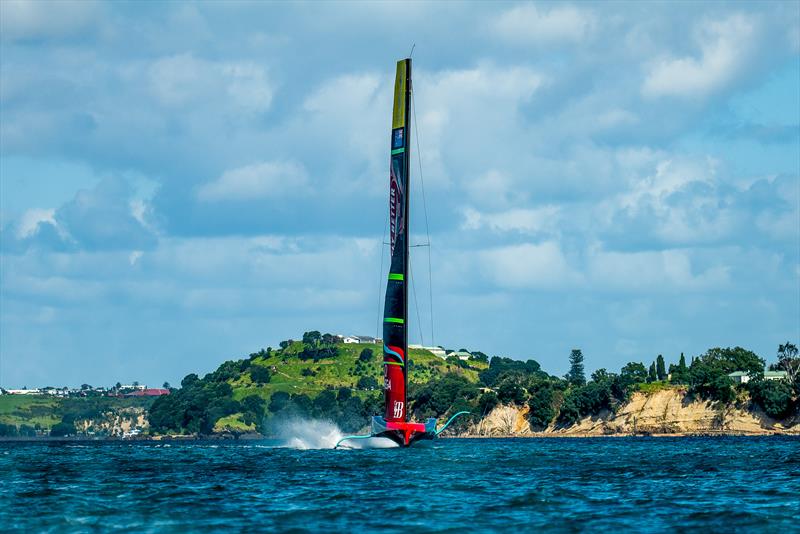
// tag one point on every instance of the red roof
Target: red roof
(153, 392)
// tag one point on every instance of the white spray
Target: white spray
(307, 434)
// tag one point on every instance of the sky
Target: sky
(185, 183)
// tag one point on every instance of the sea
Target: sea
(299, 483)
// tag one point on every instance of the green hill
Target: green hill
(343, 369)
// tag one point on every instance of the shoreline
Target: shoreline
(259, 437)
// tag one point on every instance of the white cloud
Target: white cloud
(529, 24)
(527, 221)
(527, 265)
(258, 180)
(30, 19)
(29, 221)
(652, 271)
(183, 80)
(725, 47)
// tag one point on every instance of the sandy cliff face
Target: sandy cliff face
(667, 411)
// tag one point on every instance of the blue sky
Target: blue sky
(184, 183)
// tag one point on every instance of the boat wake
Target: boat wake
(309, 434)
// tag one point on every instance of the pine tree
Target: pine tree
(682, 363)
(576, 374)
(660, 370)
(652, 376)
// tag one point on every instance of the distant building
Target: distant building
(137, 387)
(34, 391)
(360, 339)
(739, 377)
(149, 392)
(775, 375)
(462, 355)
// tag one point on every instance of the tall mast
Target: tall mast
(395, 315)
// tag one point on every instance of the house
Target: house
(739, 377)
(23, 391)
(462, 355)
(775, 375)
(360, 339)
(149, 392)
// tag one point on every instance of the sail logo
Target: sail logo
(398, 410)
(396, 212)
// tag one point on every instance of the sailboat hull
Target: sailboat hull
(401, 432)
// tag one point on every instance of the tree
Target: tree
(260, 374)
(774, 396)
(367, 382)
(541, 411)
(788, 361)
(166, 385)
(661, 371)
(652, 375)
(189, 380)
(634, 373)
(680, 373)
(600, 375)
(278, 401)
(328, 339)
(312, 338)
(366, 355)
(576, 375)
(324, 403)
(343, 394)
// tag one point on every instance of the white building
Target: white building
(739, 377)
(23, 391)
(360, 339)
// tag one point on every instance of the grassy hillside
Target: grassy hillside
(343, 370)
(337, 381)
(41, 413)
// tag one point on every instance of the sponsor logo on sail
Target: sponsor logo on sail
(398, 409)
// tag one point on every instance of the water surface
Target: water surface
(645, 484)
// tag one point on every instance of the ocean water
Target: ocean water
(493, 485)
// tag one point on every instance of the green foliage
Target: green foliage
(680, 373)
(479, 356)
(198, 404)
(260, 374)
(510, 388)
(498, 366)
(65, 428)
(729, 360)
(633, 373)
(541, 405)
(576, 375)
(437, 396)
(313, 338)
(278, 401)
(652, 375)
(366, 355)
(367, 382)
(774, 396)
(487, 402)
(661, 371)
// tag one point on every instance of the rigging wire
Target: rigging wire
(416, 306)
(425, 209)
(380, 279)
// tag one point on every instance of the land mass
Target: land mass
(321, 377)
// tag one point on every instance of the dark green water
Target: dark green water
(501, 485)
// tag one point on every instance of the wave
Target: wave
(309, 434)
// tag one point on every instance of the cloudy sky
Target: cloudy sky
(185, 183)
